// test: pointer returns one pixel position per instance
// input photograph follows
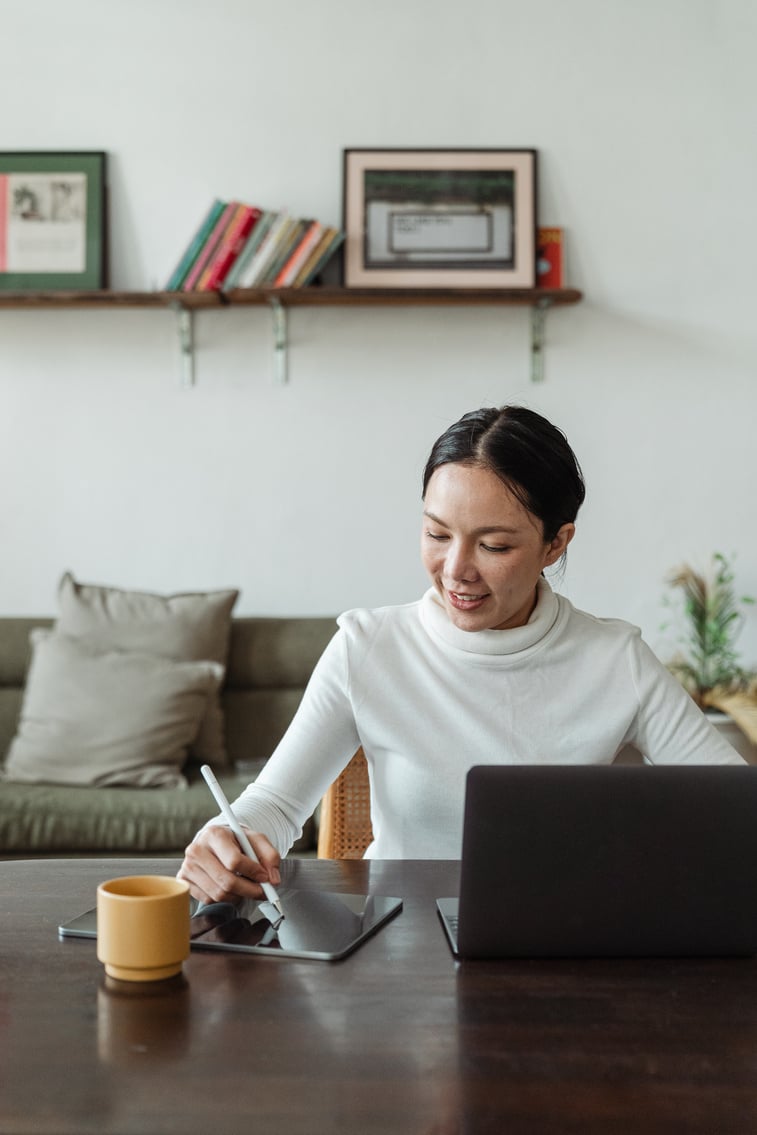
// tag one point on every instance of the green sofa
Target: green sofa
(270, 661)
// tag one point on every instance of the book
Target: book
(320, 256)
(223, 242)
(282, 240)
(253, 242)
(286, 244)
(299, 255)
(179, 274)
(243, 246)
(262, 258)
(550, 259)
(315, 255)
(210, 246)
(229, 248)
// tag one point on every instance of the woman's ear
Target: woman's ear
(559, 545)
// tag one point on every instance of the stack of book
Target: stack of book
(243, 246)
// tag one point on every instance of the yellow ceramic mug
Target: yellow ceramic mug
(143, 927)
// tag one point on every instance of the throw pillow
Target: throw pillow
(186, 627)
(107, 717)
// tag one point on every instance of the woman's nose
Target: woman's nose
(460, 562)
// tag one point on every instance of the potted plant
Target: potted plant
(708, 663)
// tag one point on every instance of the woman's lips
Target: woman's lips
(462, 601)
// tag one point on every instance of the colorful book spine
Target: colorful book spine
(243, 246)
(179, 274)
(306, 271)
(322, 254)
(297, 258)
(209, 247)
(550, 260)
(252, 244)
(226, 236)
(229, 248)
(285, 246)
(265, 252)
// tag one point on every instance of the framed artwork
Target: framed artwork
(439, 218)
(52, 221)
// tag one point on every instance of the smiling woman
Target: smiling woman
(484, 552)
(490, 666)
(502, 489)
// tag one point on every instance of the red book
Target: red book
(550, 260)
(229, 247)
(211, 245)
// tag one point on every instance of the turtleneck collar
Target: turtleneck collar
(503, 642)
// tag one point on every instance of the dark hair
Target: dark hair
(528, 454)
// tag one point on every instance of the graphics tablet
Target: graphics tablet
(318, 924)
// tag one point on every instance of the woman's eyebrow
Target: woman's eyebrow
(476, 531)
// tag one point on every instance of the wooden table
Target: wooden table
(395, 1039)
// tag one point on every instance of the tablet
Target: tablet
(317, 924)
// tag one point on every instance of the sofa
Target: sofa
(269, 663)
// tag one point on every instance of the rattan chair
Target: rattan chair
(345, 825)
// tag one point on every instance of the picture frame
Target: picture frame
(53, 220)
(447, 218)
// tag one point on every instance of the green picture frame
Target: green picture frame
(53, 231)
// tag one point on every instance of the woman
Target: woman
(490, 666)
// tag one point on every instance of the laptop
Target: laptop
(606, 861)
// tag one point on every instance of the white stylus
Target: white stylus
(220, 799)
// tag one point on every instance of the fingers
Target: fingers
(268, 857)
(217, 870)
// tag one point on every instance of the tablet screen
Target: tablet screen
(316, 924)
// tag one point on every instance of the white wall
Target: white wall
(306, 496)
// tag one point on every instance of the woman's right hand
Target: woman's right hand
(217, 869)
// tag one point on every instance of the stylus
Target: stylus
(220, 799)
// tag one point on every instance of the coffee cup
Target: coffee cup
(143, 927)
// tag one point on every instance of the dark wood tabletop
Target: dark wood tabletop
(396, 1038)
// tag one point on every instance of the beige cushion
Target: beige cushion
(107, 717)
(186, 627)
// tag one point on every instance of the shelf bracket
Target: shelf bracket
(280, 341)
(185, 323)
(538, 319)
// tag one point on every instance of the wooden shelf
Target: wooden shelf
(53, 300)
(539, 300)
(404, 297)
(299, 297)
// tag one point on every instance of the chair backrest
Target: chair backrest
(345, 826)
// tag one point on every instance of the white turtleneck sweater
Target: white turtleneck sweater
(427, 700)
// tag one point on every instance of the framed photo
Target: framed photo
(52, 221)
(439, 218)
